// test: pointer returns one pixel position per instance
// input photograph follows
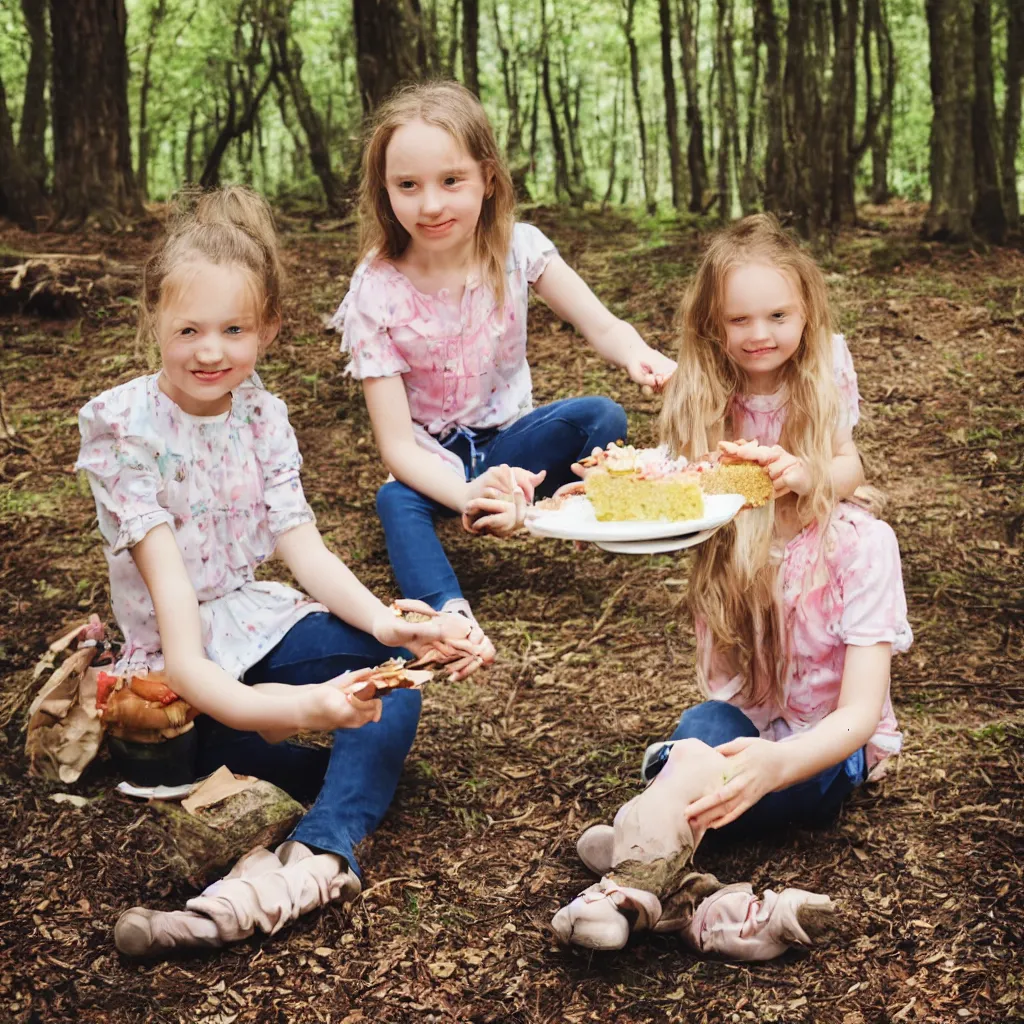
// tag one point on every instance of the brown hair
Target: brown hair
(454, 108)
(734, 588)
(231, 225)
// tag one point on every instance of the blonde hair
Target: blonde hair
(454, 108)
(226, 226)
(734, 588)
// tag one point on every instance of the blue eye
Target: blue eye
(234, 330)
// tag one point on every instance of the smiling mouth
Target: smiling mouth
(758, 351)
(437, 228)
(210, 374)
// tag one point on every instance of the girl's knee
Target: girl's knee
(714, 722)
(395, 499)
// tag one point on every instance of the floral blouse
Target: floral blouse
(760, 417)
(463, 365)
(851, 596)
(227, 486)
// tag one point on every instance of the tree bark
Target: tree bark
(471, 45)
(668, 77)
(766, 31)
(840, 120)
(563, 184)
(157, 14)
(650, 199)
(91, 140)
(876, 23)
(34, 115)
(20, 196)
(613, 155)
(695, 159)
(387, 32)
(988, 218)
(951, 166)
(726, 109)
(1011, 110)
(510, 81)
(288, 58)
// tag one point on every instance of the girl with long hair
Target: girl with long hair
(434, 323)
(797, 607)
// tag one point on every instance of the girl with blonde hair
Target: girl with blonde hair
(798, 608)
(434, 323)
(195, 472)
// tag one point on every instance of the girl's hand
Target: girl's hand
(394, 631)
(789, 473)
(498, 500)
(753, 769)
(324, 707)
(649, 368)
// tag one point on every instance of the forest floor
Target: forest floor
(595, 662)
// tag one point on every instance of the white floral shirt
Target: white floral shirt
(227, 486)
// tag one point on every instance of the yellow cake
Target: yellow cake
(625, 484)
(750, 479)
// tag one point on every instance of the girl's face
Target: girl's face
(209, 335)
(764, 322)
(436, 188)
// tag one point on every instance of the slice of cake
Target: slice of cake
(720, 474)
(624, 483)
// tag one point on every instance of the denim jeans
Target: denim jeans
(814, 801)
(551, 438)
(354, 782)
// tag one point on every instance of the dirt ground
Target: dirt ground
(595, 662)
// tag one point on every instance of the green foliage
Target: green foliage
(195, 44)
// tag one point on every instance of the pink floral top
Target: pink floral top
(760, 417)
(853, 595)
(463, 365)
(227, 486)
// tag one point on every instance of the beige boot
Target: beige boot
(264, 890)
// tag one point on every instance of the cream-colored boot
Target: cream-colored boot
(263, 890)
(649, 883)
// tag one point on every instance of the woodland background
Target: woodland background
(800, 106)
(887, 132)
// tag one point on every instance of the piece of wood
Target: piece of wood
(201, 847)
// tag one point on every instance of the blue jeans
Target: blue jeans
(354, 782)
(551, 437)
(812, 802)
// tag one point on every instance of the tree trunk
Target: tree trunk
(876, 24)
(34, 115)
(988, 217)
(563, 185)
(157, 14)
(190, 143)
(387, 33)
(509, 78)
(471, 45)
(766, 31)
(570, 111)
(726, 110)
(802, 104)
(951, 168)
(288, 58)
(668, 77)
(20, 195)
(650, 199)
(1011, 110)
(612, 159)
(695, 159)
(748, 179)
(453, 42)
(92, 157)
(842, 113)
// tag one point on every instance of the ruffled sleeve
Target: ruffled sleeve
(532, 250)
(278, 454)
(123, 474)
(364, 319)
(846, 381)
(871, 580)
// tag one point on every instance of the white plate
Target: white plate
(656, 547)
(576, 520)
